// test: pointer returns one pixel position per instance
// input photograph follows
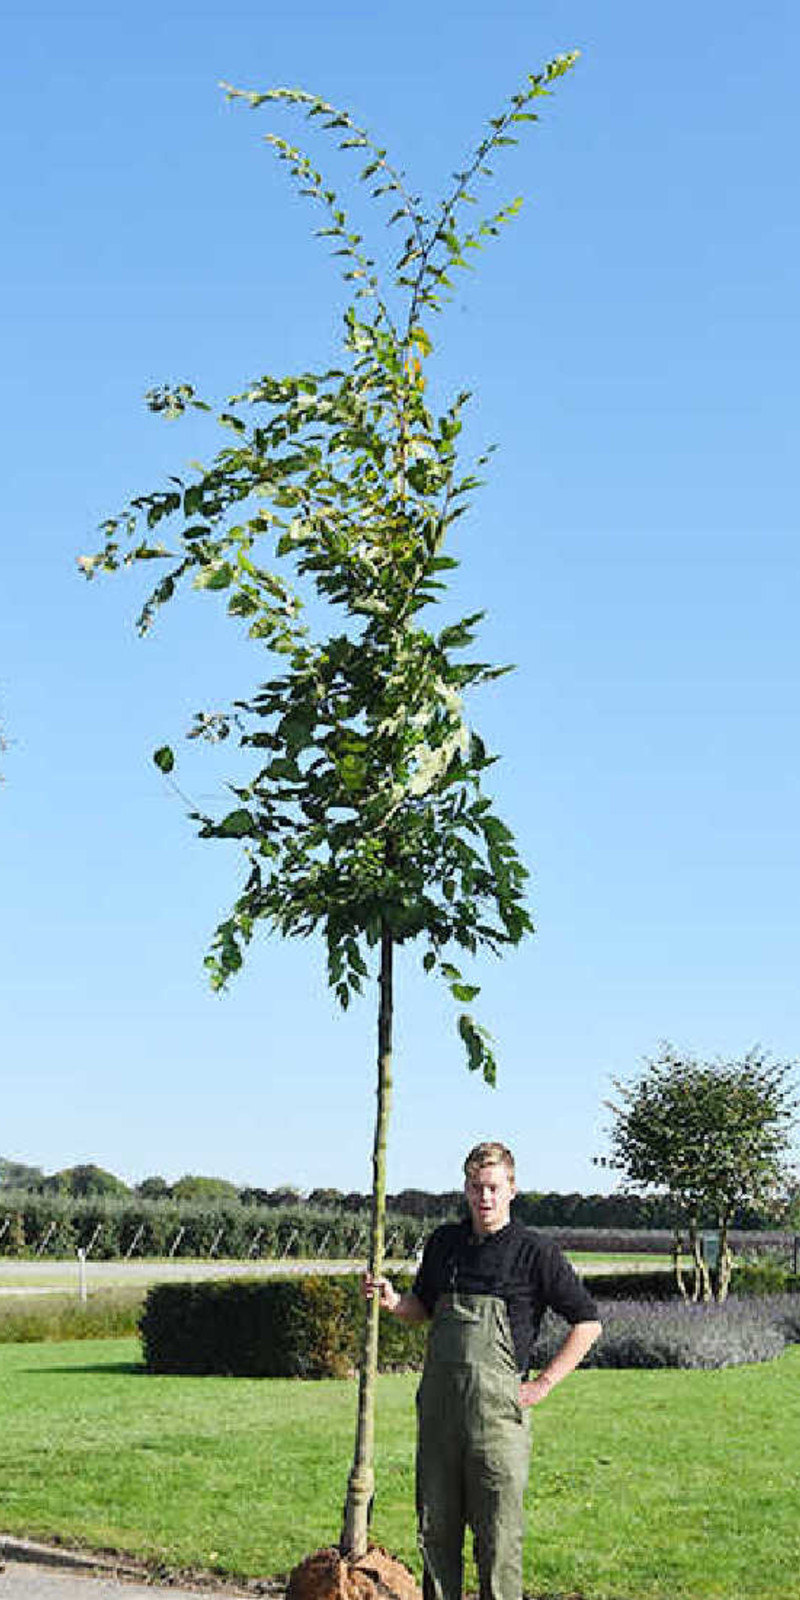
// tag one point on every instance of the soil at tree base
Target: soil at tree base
(326, 1575)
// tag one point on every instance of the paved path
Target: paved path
(31, 1571)
(27, 1276)
(23, 1580)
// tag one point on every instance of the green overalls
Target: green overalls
(473, 1449)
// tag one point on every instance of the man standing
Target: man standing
(485, 1283)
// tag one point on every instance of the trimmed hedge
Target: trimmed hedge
(302, 1327)
(659, 1284)
(310, 1327)
(753, 1278)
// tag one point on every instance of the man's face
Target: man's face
(490, 1191)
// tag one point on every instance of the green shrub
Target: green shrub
(657, 1285)
(401, 1345)
(655, 1333)
(763, 1277)
(299, 1327)
(310, 1327)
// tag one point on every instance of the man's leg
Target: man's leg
(441, 1511)
(496, 1476)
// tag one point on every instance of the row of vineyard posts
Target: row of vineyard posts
(112, 1228)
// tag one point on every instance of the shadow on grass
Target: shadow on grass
(111, 1368)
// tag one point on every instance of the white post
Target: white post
(289, 1242)
(45, 1240)
(82, 1276)
(95, 1236)
(134, 1241)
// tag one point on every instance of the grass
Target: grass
(109, 1313)
(644, 1485)
(619, 1261)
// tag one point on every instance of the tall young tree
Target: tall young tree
(364, 816)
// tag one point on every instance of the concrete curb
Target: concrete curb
(107, 1564)
(49, 1555)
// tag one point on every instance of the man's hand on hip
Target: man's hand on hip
(534, 1390)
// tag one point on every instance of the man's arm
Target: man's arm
(578, 1342)
(407, 1307)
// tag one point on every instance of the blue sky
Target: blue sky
(632, 344)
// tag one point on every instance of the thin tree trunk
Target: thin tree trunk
(702, 1284)
(724, 1268)
(702, 1277)
(361, 1483)
(677, 1246)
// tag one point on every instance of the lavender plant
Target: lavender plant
(654, 1333)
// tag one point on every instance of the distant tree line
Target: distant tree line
(534, 1208)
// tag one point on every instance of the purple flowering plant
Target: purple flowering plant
(652, 1333)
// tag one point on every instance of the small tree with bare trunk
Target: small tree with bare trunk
(714, 1135)
(364, 816)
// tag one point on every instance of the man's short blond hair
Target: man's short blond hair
(489, 1154)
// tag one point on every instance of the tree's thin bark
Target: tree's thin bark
(701, 1287)
(361, 1483)
(677, 1245)
(725, 1262)
(702, 1277)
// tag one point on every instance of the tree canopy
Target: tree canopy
(83, 1180)
(194, 1186)
(365, 809)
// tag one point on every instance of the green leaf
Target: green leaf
(465, 992)
(237, 825)
(193, 499)
(217, 575)
(480, 1057)
(164, 758)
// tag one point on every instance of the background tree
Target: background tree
(326, 1198)
(364, 816)
(16, 1175)
(83, 1181)
(153, 1187)
(193, 1186)
(713, 1135)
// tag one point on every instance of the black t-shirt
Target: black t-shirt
(526, 1270)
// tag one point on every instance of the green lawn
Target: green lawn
(619, 1261)
(645, 1485)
